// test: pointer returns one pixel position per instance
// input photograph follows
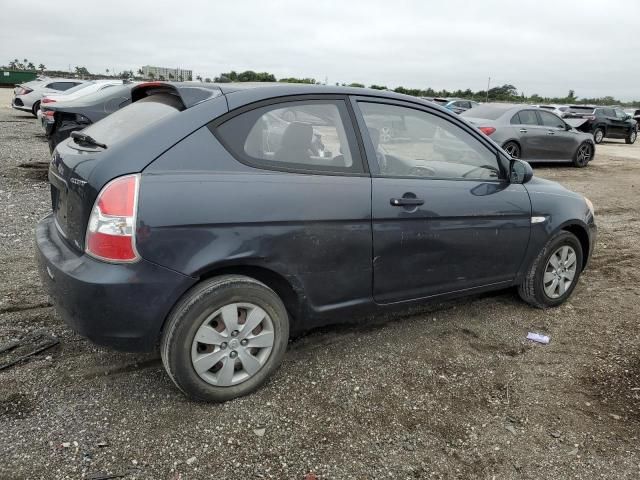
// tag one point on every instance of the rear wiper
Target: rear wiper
(80, 137)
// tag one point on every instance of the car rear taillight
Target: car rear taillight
(487, 130)
(48, 100)
(23, 91)
(49, 114)
(112, 223)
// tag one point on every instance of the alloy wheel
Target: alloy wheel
(512, 149)
(633, 136)
(232, 344)
(584, 154)
(560, 272)
(599, 136)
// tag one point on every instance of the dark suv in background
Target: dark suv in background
(603, 122)
(192, 220)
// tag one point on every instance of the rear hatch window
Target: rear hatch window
(137, 116)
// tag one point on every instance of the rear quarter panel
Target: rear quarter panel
(200, 210)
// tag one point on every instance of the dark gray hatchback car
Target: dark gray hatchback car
(192, 220)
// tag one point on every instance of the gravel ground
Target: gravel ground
(449, 391)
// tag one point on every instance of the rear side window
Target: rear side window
(128, 121)
(620, 114)
(528, 117)
(308, 135)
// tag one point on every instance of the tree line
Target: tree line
(502, 93)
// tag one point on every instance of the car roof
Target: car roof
(196, 92)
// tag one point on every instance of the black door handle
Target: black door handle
(404, 202)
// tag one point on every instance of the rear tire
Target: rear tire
(35, 108)
(583, 155)
(538, 279)
(513, 149)
(598, 135)
(198, 330)
(631, 138)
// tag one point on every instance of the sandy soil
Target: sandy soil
(451, 391)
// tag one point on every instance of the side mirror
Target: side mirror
(567, 127)
(520, 171)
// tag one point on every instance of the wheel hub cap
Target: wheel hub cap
(232, 344)
(560, 272)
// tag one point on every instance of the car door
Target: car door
(560, 144)
(611, 122)
(531, 134)
(622, 122)
(444, 217)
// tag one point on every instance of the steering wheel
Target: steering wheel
(422, 171)
(482, 167)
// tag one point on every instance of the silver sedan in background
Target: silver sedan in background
(532, 134)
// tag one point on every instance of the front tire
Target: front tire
(554, 273)
(35, 108)
(631, 138)
(598, 135)
(224, 338)
(583, 155)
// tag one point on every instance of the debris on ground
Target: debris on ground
(30, 345)
(537, 337)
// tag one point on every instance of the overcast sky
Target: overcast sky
(540, 46)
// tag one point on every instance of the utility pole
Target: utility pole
(488, 84)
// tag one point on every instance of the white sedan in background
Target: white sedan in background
(27, 96)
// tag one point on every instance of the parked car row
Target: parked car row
(27, 97)
(456, 105)
(213, 221)
(533, 134)
(61, 115)
(600, 122)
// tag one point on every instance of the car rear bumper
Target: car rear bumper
(122, 306)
